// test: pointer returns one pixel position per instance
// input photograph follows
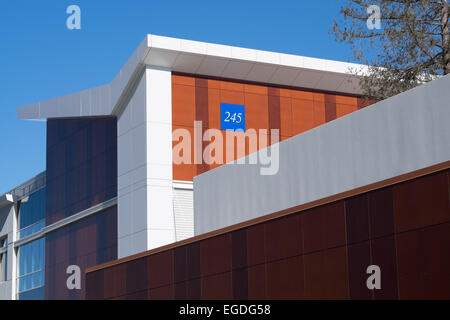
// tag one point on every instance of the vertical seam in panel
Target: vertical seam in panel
(202, 114)
(330, 107)
(274, 113)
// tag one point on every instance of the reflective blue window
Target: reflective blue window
(32, 214)
(34, 294)
(31, 266)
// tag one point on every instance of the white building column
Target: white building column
(145, 193)
(13, 252)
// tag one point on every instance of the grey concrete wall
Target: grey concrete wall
(5, 290)
(5, 220)
(6, 229)
(404, 133)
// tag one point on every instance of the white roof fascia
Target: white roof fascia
(200, 58)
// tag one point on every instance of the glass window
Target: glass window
(32, 214)
(3, 260)
(31, 268)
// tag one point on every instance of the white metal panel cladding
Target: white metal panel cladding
(183, 206)
(204, 59)
(145, 192)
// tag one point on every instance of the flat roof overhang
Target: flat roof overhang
(6, 199)
(203, 59)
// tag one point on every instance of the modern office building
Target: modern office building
(22, 262)
(369, 191)
(129, 161)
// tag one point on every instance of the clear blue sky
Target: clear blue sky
(41, 59)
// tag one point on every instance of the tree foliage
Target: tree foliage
(411, 47)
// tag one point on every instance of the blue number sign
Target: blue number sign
(232, 117)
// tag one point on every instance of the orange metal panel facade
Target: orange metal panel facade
(292, 111)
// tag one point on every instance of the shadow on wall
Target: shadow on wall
(3, 216)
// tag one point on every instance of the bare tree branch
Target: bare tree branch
(412, 46)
